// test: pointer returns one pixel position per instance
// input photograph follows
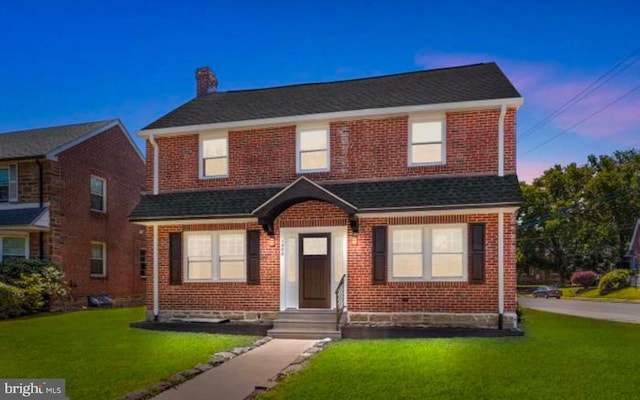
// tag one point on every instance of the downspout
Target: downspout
(503, 114)
(156, 280)
(41, 202)
(156, 158)
(500, 270)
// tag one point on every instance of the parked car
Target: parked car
(546, 292)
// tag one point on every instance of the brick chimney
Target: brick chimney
(206, 81)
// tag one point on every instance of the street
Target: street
(622, 312)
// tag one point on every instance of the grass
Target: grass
(630, 293)
(98, 354)
(560, 357)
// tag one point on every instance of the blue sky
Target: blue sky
(67, 62)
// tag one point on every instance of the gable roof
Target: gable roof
(447, 85)
(50, 141)
(366, 196)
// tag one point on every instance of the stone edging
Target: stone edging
(295, 366)
(181, 377)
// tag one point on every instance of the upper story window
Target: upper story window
(9, 183)
(428, 252)
(426, 142)
(214, 156)
(98, 194)
(216, 256)
(312, 149)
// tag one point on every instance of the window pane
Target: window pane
(96, 252)
(97, 186)
(13, 246)
(407, 265)
(97, 202)
(214, 148)
(232, 244)
(97, 267)
(446, 240)
(199, 246)
(199, 270)
(4, 177)
(314, 246)
(407, 241)
(422, 132)
(313, 160)
(4, 193)
(215, 167)
(313, 140)
(446, 265)
(232, 270)
(426, 153)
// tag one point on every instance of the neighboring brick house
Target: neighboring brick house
(65, 195)
(261, 200)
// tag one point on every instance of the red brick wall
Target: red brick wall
(362, 295)
(108, 155)
(360, 149)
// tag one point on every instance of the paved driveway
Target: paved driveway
(623, 312)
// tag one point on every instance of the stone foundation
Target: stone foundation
(434, 320)
(253, 316)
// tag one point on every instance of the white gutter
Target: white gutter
(156, 158)
(156, 278)
(338, 115)
(500, 267)
(503, 114)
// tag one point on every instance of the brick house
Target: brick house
(65, 196)
(260, 201)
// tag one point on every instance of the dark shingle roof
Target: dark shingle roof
(466, 83)
(21, 216)
(408, 193)
(39, 142)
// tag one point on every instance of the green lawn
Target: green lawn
(629, 293)
(98, 354)
(560, 357)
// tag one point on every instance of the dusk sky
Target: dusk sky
(69, 62)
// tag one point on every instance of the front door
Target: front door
(315, 270)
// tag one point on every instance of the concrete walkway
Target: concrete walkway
(237, 378)
(622, 312)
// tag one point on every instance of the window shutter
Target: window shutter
(175, 258)
(379, 255)
(13, 182)
(253, 257)
(476, 253)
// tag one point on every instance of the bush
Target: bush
(12, 269)
(613, 281)
(42, 289)
(11, 300)
(583, 278)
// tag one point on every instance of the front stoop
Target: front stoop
(306, 324)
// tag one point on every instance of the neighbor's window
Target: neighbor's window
(216, 256)
(98, 194)
(426, 142)
(432, 252)
(214, 157)
(313, 150)
(143, 263)
(98, 259)
(9, 183)
(13, 247)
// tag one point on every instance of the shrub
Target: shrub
(12, 269)
(583, 278)
(42, 289)
(613, 281)
(11, 300)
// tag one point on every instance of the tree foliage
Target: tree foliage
(580, 217)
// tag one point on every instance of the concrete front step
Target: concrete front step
(289, 324)
(303, 334)
(305, 324)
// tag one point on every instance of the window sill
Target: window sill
(414, 280)
(433, 164)
(212, 281)
(98, 277)
(213, 178)
(99, 212)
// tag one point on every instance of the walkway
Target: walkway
(237, 378)
(622, 312)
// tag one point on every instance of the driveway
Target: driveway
(622, 312)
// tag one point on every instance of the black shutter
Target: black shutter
(379, 251)
(253, 257)
(476, 253)
(175, 258)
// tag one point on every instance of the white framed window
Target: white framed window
(215, 256)
(428, 252)
(98, 259)
(12, 247)
(214, 156)
(312, 149)
(426, 142)
(98, 188)
(9, 183)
